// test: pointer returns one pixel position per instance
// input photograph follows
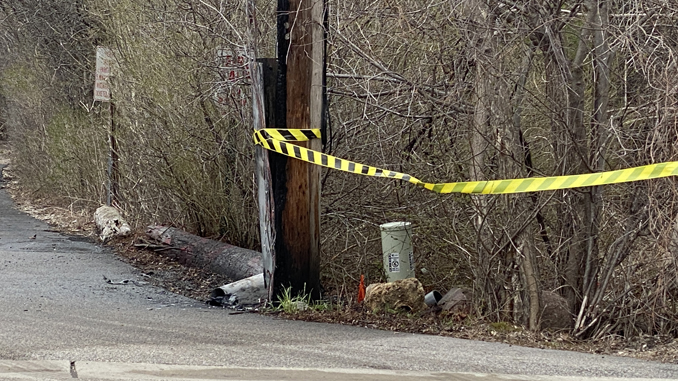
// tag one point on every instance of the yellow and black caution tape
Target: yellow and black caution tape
(275, 140)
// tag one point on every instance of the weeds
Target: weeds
(291, 304)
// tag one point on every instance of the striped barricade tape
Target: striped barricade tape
(275, 140)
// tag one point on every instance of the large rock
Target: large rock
(556, 313)
(455, 301)
(110, 223)
(405, 294)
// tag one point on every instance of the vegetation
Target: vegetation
(443, 90)
(290, 303)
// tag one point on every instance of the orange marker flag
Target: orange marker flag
(361, 289)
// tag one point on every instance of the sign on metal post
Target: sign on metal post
(102, 93)
(104, 61)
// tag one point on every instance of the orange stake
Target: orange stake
(361, 289)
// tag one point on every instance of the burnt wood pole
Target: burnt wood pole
(299, 98)
(269, 69)
(260, 71)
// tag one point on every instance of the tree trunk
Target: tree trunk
(575, 224)
(506, 270)
(527, 259)
(525, 250)
(481, 138)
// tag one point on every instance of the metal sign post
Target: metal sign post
(102, 93)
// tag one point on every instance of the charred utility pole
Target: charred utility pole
(296, 184)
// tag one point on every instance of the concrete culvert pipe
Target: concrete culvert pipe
(248, 291)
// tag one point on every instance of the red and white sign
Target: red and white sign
(102, 90)
(234, 70)
(234, 64)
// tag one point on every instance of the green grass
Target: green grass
(290, 303)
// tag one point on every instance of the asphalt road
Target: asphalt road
(56, 308)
